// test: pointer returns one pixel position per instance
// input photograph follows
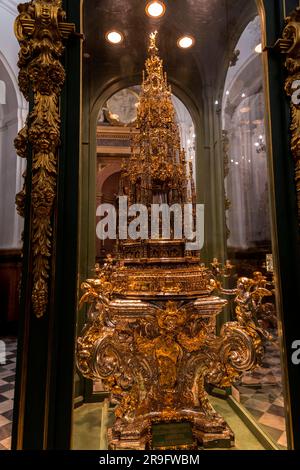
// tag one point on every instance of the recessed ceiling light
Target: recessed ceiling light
(185, 42)
(114, 37)
(258, 48)
(156, 9)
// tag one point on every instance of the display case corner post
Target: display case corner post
(48, 202)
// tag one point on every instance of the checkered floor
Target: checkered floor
(7, 381)
(261, 394)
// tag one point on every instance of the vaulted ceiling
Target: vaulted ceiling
(215, 24)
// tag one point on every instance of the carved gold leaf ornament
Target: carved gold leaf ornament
(289, 45)
(40, 31)
(225, 148)
(156, 150)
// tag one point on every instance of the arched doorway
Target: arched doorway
(11, 169)
(10, 236)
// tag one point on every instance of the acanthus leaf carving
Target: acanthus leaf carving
(40, 31)
(289, 46)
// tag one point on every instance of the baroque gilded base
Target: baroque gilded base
(207, 432)
(155, 347)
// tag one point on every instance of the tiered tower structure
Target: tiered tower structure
(157, 167)
(157, 171)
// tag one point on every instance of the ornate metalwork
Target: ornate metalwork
(150, 331)
(40, 30)
(225, 148)
(289, 45)
(155, 357)
(157, 168)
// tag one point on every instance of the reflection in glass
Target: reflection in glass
(248, 221)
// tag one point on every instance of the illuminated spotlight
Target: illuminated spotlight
(227, 93)
(258, 48)
(185, 42)
(156, 9)
(216, 102)
(114, 37)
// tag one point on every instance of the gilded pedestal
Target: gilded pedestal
(155, 346)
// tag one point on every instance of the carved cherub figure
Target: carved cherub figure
(249, 299)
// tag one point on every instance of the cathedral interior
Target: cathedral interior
(144, 343)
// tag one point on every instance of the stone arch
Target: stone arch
(105, 173)
(13, 114)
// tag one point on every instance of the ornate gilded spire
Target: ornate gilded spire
(156, 169)
(153, 50)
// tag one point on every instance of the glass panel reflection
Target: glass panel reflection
(230, 131)
(248, 221)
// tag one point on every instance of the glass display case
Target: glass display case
(161, 237)
(218, 115)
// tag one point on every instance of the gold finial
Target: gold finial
(152, 47)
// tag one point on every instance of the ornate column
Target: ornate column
(289, 45)
(225, 147)
(43, 400)
(40, 30)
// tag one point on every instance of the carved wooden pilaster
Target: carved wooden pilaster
(289, 45)
(40, 30)
(225, 147)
